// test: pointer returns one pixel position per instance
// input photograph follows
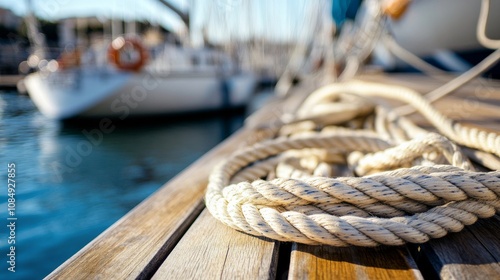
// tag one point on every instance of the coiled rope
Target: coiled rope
(345, 172)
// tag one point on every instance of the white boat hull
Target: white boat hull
(429, 26)
(119, 94)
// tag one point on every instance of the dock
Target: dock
(171, 235)
(10, 81)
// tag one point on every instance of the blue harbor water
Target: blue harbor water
(71, 182)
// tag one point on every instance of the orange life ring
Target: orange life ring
(119, 46)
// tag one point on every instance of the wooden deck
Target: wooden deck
(172, 236)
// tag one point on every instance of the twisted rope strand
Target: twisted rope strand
(270, 188)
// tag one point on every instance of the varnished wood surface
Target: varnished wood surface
(473, 253)
(326, 262)
(166, 237)
(210, 250)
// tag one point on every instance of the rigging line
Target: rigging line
(456, 83)
(481, 27)
(410, 58)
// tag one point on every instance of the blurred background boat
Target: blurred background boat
(125, 77)
(443, 32)
(175, 80)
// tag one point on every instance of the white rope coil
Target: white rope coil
(303, 186)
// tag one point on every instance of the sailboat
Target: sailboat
(126, 79)
(120, 91)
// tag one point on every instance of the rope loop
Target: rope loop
(345, 171)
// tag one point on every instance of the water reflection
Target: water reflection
(66, 198)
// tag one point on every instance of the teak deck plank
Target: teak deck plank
(488, 232)
(326, 262)
(211, 250)
(473, 253)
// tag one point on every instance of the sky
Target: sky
(150, 10)
(281, 20)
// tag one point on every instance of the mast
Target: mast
(36, 38)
